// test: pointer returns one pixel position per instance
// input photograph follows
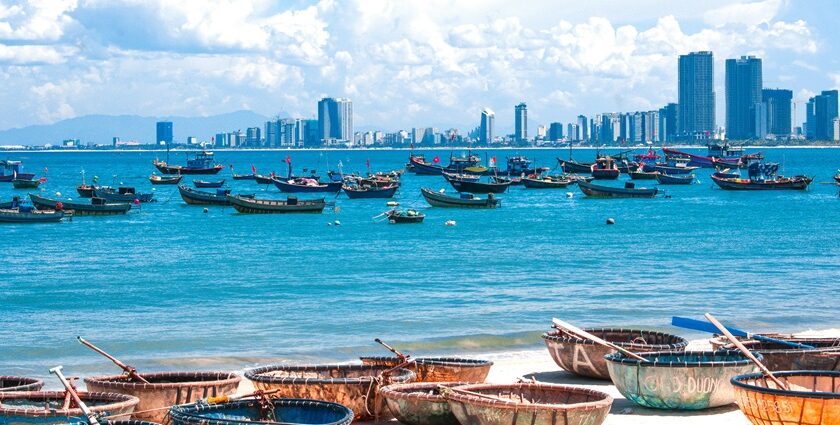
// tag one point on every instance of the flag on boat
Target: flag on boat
(492, 161)
(289, 159)
(253, 169)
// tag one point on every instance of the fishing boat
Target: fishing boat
(19, 383)
(48, 407)
(439, 369)
(514, 181)
(26, 183)
(200, 163)
(690, 380)
(465, 200)
(640, 174)
(252, 205)
(762, 176)
(517, 165)
(663, 178)
(726, 173)
(605, 168)
(368, 192)
(204, 184)
(199, 197)
(717, 154)
(480, 187)
(10, 170)
(354, 386)
(547, 182)
(419, 165)
(262, 410)
(97, 206)
(461, 176)
(824, 353)
(837, 178)
(165, 389)
(813, 398)
(571, 166)
(396, 216)
(244, 176)
(470, 164)
(628, 191)
(527, 403)
(419, 403)
(261, 179)
(122, 194)
(26, 214)
(305, 185)
(156, 180)
(586, 358)
(675, 166)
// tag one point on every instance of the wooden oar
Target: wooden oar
(70, 390)
(130, 371)
(746, 352)
(387, 372)
(443, 389)
(586, 335)
(226, 398)
(391, 349)
(699, 325)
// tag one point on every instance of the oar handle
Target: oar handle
(745, 351)
(67, 387)
(132, 372)
(586, 335)
(391, 349)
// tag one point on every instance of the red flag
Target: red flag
(253, 169)
(436, 159)
(288, 159)
(43, 179)
(272, 174)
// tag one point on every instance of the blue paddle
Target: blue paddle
(700, 325)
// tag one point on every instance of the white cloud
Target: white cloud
(43, 20)
(750, 14)
(34, 55)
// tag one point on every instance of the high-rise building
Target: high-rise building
(555, 131)
(221, 140)
(252, 136)
(488, 118)
(810, 119)
(696, 96)
(583, 128)
(778, 104)
(311, 133)
(335, 119)
(743, 92)
(825, 111)
(272, 133)
(164, 132)
(521, 120)
(759, 120)
(668, 117)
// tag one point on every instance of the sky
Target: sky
(403, 63)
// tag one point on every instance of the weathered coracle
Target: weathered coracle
(815, 399)
(354, 386)
(679, 380)
(528, 404)
(126, 422)
(247, 411)
(439, 369)
(46, 407)
(420, 403)
(586, 358)
(782, 357)
(166, 389)
(20, 383)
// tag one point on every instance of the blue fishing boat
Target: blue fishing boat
(628, 191)
(517, 166)
(464, 200)
(662, 178)
(200, 163)
(305, 185)
(260, 410)
(26, 214)
(198, 197)
(122, 194)
(202, 184)
(717, 154)
(10, 170)
(369, 192)
(97, 206)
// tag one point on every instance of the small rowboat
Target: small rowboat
(570, 166)
(156, 179)
(662, 178)
(814, 401)
(261, 179)
(690, 380)
(782, 357)
(304, 185)
(628, 191)
(19, 383)
(528, 404)
(244, 176)
(250, 411)
(466, 200)
(98, 206)
(46, 407)
(439, 369)
(586, 358)
(477, 186)
(546, 182)
(199, 197)
(208, 184)
(26, 183)
(354, 386)
(643, 175)
(419, 403)
(369, 192)
(251, 205)
(25, 214)
(166, 389)
(122, 194)
(404, 216)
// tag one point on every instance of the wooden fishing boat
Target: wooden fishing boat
(777, 357)
(725, 173)
(466, 200)
(517, 165)
(304, 185)
(199, 163)
(251, 411)
(479, 187)
(354, 386)
(252, 205)
(528, 403)
(165, 389)
(837, 178)
(368, 192)
(86, 190)
(25, 183)
(396, 216)
(461, 177)
(10, 170)
(717, 154)
(156, 180)
(198, 197)
(47, 407)
(419, 403)
(663, 178)
(261, 179)
(439, 369)
(97, 206)
(643, 175)
(586, 358)
(547, 182)
(244, 176)
(776, 183)
(514, 181)
(605, 168)
(208, 184)
(814, 398)
(571, 166)
(122, 194)
(628, 191)
(676, 166)
(25, 214)
(690, 380)
(19, 383)
(418, 165)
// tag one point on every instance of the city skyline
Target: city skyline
(402, 66)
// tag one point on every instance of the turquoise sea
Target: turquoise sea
(171, 287)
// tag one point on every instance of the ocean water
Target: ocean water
(171, 287)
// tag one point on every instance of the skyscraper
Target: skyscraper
(778, 104)
(696, 96)
(669, 116)
(252, 136)
(335, 119)
(485, 135)
(555, 131)
(743, 92)
(821, 112)
(521, 119)
(164, 132)
(583, 128)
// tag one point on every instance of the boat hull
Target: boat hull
(575, 167)
(668, 179)
(795, 183)
(46, 407)
(371, 193)
(197, 197)
(597, 191)
(700, 160)
(270, 206)
(208, 185)
(643, 175)
(444, 201)
(8, 178)
(419, 404)
(439, 369)
(162, 180)
(331, 187)
(816, 402)
(250, 411)
(42, 203)
(545, 184)
(16, 216)
(120, 197)
(424, 169)
(478, 187)
(179, 169)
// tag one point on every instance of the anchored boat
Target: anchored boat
(547, 182)
(663, 178)
(605, 168)
(25, 214)
(200, 163)
(122, 194)
(199, 197)
(97, 206)
(762, 176)
(628, 191)
(208, 184)
(476, 186)
(156, 179)
(396, 216)
(465, 200)
(251, 205)
(10, 170)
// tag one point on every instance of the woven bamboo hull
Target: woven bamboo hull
(419, 403)
(243, 412)
(763, 404)
(19, 383)
(30, 408)
(546, 405)
(440, 369)
(166, 389)
(354, 386)
(585, 358)
(824, 356)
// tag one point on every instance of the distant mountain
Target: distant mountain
(100, 129)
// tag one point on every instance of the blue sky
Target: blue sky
(404, 64)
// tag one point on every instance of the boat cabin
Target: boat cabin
(758, 171)
(202, 159)
(724, 150)
(10, 167)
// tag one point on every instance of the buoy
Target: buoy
(136, 202)
(450, 223)
(569, 194)
(206, 210)
(57, 193)
(610, 220)
(392, 204)
(442, 190)
(337, 223)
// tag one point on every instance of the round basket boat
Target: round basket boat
(817, 402)
(689, 380)
(782, 357)
(128, 422)
(528, 404)
(19, 383)
(354, 386)
(586, 358)
(420, 403)
(166, 389)
(440, 369)
(248, 411)
(46, 407)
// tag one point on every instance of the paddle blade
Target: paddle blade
(701, 325)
